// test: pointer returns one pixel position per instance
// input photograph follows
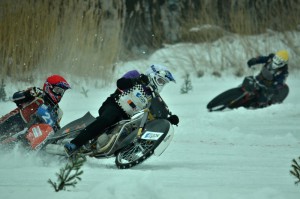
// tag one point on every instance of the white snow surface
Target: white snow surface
(233, 154)
(237, 154)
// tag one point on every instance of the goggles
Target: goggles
(161, 81)
(57, 90)
(277, 62)
(164, 77)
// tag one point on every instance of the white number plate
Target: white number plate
(149, 135)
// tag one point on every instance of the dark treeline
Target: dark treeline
(152, 23)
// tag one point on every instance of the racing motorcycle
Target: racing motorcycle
(246, 95)
(31, 135)
(130, 142)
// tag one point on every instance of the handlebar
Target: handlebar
(251, 84)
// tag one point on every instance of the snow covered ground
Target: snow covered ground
(238, 154)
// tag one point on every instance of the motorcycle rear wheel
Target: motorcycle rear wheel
(281, 95)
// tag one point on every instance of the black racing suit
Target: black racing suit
(109, 113)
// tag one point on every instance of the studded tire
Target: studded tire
(135, 153)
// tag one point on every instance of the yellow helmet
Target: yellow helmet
(280, 59)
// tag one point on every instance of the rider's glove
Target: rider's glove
(251, 62)
(29, 94)
(34, 92)
(173, 119)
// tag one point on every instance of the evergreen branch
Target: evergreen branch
(84, 91)
(296, 163)
(54, 185)
(69, 174)
(187, 85)
(296, 170)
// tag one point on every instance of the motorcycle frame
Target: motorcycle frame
(133, 121)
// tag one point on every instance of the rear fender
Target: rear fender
(37, 135)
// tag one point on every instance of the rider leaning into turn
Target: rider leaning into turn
(132, 95)
(28, 102)
(272, 77)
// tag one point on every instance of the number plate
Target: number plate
(150, 135)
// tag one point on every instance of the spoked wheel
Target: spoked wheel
(135, 153)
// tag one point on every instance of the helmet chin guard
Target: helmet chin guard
(159, 76)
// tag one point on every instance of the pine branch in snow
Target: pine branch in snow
(69, 174)
(296, 170)
(187, 84)
(84, 91)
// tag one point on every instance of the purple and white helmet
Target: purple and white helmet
(159, 76)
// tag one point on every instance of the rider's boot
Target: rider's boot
(70, 148)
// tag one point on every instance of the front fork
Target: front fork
(143, 122)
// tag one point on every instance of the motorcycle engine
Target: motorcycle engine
(102, 140)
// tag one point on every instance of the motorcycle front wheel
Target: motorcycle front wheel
(155, 139)
(135, 153)
(228, 99)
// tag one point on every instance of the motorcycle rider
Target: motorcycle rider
(132, 95)
(272, 77)
(29, 101)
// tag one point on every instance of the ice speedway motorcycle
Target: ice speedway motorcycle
(130, 142)
(245, 95)
(31, 134)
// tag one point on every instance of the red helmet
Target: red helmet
(55, 87)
